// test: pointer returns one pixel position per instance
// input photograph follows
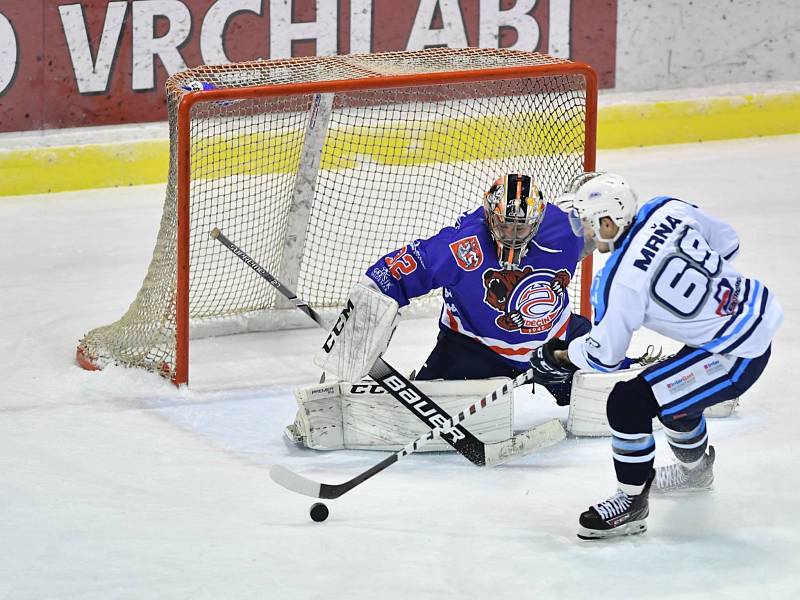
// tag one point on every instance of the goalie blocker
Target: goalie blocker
(360, 334)
(362, 416)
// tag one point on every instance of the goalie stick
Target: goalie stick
(403, 390)
(541, 436)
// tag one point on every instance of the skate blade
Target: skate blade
(632, 528)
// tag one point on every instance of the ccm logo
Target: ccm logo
(366, 388)
(338, 327)
(418, 404)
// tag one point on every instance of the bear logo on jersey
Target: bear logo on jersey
(468, 253)
(530, 300)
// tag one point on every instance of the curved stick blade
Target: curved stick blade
(294, 482)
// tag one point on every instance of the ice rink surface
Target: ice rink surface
(117, 485)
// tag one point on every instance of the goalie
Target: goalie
(504, 270)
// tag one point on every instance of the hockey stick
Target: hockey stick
(405, 392)
(543, 435)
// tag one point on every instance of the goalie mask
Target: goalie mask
(514, 208)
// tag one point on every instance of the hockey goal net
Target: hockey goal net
(317, 166)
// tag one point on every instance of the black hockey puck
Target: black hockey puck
(319, 512)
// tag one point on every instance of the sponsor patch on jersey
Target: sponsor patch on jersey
(468, 253)
(525, 298)
(380, 275)
(714, 367)
(727, 296)
(679, 384)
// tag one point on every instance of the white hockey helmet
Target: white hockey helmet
(595, 195)
(514, 207)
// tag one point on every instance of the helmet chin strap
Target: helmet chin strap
(612, 242)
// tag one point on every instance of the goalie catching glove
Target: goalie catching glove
(547, 370)
(361, 333)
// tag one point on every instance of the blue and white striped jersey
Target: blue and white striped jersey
(671, 272)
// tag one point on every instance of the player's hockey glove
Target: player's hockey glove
(546, 369)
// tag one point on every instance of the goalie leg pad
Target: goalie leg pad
(362, 416)
(318, 423)
(360, 334)
(590, 391)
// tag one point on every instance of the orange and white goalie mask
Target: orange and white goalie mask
(514, 208)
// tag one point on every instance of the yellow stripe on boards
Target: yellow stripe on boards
(388, 144)
(64, 168)
(452, 140)
(701, 120)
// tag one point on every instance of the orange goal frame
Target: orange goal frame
(191, 98)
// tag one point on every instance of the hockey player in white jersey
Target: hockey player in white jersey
(669, 270)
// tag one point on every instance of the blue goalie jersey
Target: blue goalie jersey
(512, 312)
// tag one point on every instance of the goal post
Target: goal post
(316, 166)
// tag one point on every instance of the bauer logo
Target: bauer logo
(468, 253)
(423, 407)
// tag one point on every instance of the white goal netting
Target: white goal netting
(317, 166)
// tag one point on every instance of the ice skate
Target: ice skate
(620, 515)
(677, 478)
